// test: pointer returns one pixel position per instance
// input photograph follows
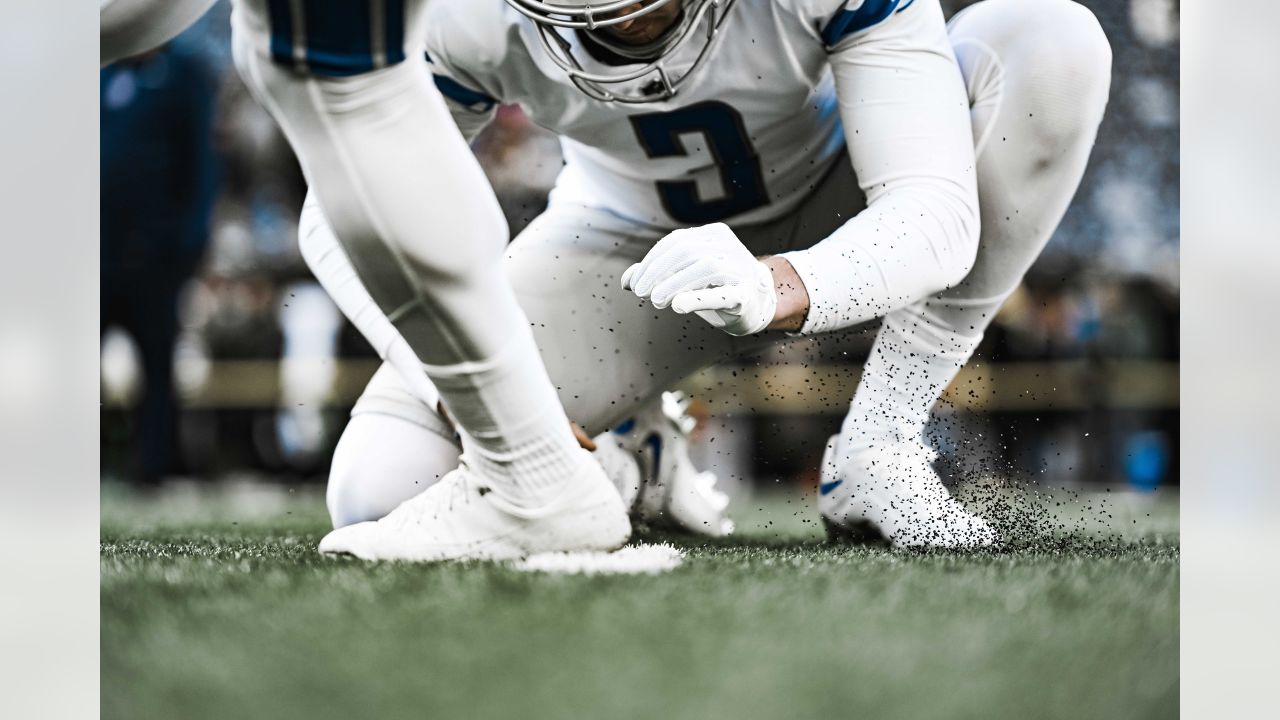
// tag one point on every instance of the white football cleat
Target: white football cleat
(461, 518)
(892, 492)
(647, 457)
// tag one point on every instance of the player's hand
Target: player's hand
(707, 270)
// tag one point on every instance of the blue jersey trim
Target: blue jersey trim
(463, 95)
(868, 14)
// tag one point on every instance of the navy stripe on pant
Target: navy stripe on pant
(338, 34)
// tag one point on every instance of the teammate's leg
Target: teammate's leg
(1038, 74)
(132, 27)
(608, 354)
(393, 448)
(421, 226)
(396, 444)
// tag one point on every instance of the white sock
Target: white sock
(517, 435)
(917, 354)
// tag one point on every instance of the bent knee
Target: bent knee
(1069, 60)
(369, 491)
(1054, 62)
(381, 461)
(349, 499)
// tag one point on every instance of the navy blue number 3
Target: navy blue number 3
(659, 135)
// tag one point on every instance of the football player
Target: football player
(737, 171)
(423, 233)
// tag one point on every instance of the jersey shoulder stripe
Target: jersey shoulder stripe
(473, 100)
(865, 15)
(469, 43)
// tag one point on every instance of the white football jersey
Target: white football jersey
(748, 135)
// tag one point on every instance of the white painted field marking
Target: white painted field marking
(630, 560)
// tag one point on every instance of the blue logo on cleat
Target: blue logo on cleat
(655, 444)
(827, 487)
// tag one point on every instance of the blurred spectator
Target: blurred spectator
(158, 179)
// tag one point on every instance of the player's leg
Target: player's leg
(394, 447)
(132, 27)
(372, 471)
(648, 457)
(612, 355)
(424, 232)
(396, 444)
(607, 352)
(422, 229)
(1038, 74)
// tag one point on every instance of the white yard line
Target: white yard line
(630, 560)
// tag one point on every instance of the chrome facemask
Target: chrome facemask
(701, 19)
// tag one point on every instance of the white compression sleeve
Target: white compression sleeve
(331, 266)
(906, 123)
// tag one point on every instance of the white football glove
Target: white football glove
(707, 270)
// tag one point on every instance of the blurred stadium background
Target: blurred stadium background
(222, 358)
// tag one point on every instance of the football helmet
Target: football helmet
(699, 19)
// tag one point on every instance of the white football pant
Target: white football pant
(416, 218)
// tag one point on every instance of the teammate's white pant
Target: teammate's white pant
(1037, 72)
(421, 228)
(132, 27)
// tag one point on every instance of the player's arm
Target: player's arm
(907, 124)
(906, 119)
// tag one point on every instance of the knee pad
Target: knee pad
(381, 461)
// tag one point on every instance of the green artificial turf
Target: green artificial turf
(210, 610)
